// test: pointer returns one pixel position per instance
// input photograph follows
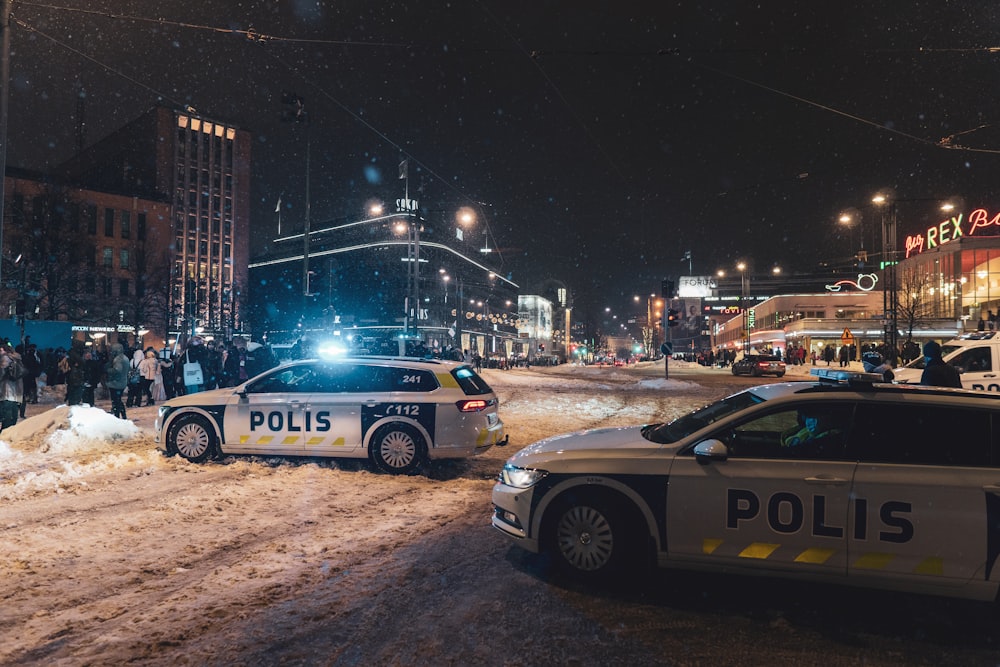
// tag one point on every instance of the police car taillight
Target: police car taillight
(472, 405)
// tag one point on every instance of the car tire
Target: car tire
(397, 449)
(780, 375)
(734, 371)
(193, 438)
(592, 538)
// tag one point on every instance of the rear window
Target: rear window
(470, 381)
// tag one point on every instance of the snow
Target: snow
(114, 553)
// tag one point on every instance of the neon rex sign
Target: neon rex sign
(954, 228)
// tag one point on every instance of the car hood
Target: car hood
(604, 443)
(209, 397)
(907, 375)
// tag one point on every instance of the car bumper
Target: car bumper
(512, 515)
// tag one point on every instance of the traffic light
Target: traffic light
(667, 289)
(673, 317)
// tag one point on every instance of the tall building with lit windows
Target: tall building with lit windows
(201, 167)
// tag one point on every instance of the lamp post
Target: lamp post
(890, 296)
(744, 297)
(296, 113)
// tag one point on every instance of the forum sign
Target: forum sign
(696, 286)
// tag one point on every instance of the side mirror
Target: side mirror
(710, 450)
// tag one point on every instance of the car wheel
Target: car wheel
(397, 448)
(734, 371)
(192, 437)
(780, 375)
(591, 538)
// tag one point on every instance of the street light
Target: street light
(744, 296)
(890, 298)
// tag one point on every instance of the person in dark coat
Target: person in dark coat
(936, 371)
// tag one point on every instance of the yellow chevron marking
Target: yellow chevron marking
(759, 550)
(290, 440)
(244, 439)
(710, 545)
(931, 565)
(481, 437)
(815, 556)
(873, 561)
(265, 439)
(446, 380)
(314, 441)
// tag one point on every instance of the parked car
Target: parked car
(844, 479)
(397, 412)
(975, 355)
(758, 365)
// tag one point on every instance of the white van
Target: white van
(975, 355)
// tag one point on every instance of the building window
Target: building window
(107, 287)
(123, 287)
(109, 222)
(108, 257)
(126, 224)
(140, 226)
(123, 258)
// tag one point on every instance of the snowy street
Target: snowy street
(114, 554)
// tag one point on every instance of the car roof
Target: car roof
(831, 383)
(405, 362)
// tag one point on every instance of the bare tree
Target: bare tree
(912, 298)
(54, 257)
(146, 304)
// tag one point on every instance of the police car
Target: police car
(396, 412)
(976, 356)
(844, 479)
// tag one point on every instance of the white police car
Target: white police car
(846, 480)
(976, 355)
(397, 412)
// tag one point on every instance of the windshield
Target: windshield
(694, 421)
(918, 363)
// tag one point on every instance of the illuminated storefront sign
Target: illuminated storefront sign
(865, 283)
(979, 223)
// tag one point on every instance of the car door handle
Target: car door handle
(826, 479)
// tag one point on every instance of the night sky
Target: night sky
(601, 140)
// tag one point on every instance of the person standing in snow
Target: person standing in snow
(11, 387)
(116, 379)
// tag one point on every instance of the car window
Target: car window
(295, 379)
(814, 430)
(408, 379)
(973, 360)
(470, 381)
(700, 418)
(922, 434)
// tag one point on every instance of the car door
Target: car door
(923, 493)
(342, 389)
(270, 416)
(766, 505)
(978, 367)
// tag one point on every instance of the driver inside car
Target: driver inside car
(812, 428)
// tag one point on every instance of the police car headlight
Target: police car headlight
(520, 478)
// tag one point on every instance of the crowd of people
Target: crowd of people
(129, 376)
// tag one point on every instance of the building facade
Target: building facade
(98, 260)
(201, 167)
